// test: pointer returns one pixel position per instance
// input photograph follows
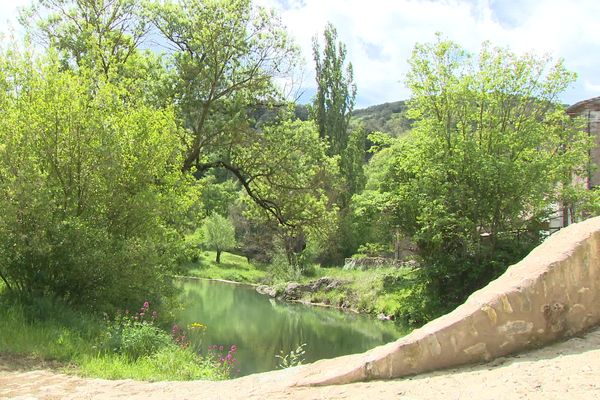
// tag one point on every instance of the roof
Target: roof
(583, 105)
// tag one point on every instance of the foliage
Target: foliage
(331, 110)
(291, 359)
(135, 335)
(51, 330)
(88, 184)
(336, 91)
(95, 35)
(171, 363)
(45, 329)
(219, 234)
(220, 69)
(293, 186)
(476, 176)
(226, 361)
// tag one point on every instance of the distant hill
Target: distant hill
(386, 117)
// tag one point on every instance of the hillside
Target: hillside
(386, 117)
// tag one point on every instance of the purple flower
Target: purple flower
(146, 305)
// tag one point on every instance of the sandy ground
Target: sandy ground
(565, 371)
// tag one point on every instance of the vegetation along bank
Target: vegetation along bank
(122, 166)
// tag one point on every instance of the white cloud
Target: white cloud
(380, 34)
(563, 29)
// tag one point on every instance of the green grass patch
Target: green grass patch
(85, 344)
(170, 363)
(390, 291)
(232, 268)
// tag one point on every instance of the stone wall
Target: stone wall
(553, 293)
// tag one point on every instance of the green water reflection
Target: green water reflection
(261, 327)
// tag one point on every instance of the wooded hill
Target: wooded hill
(386, 117)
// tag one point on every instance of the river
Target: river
(262, 327)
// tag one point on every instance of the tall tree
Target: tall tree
(478, 174)
(336, 91)
(332, 107)
(225, 57)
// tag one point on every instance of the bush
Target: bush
(136, 335)
(142, 339)
(86, 216)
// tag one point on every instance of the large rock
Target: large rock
(267, 290)
(295, 290)
(292, 291)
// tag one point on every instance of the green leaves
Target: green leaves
(490, 149)
(87, 182)
(218, 233)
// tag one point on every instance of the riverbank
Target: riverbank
(232, 268)
(127, 345)
(565, 370)
(381, 292)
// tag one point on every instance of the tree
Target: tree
(225, 57)
(98, 34)
(474, 181)
(88, 186)
(290, 171)
(336, 91)
(219, 234)
(331, 111)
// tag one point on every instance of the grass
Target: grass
(49, 331)
(232, 268)
(170, 363)
(389, 291)
(45, 338)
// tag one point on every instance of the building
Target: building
(589, 110)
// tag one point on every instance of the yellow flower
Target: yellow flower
(197, 326)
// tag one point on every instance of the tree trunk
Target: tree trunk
(218, 260)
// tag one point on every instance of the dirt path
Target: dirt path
(567, 370)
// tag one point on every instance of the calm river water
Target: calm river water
(261, 327)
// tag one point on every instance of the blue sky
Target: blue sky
(380, 35)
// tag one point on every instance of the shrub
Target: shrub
(142, 339)
(87, 215)
(135, 335)
(291, 359)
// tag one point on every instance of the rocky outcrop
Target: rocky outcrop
(553, 293)
(295, 291)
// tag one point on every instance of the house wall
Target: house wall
(590, 111)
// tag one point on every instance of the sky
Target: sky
(380, 35)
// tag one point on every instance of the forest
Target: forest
(140, 139)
